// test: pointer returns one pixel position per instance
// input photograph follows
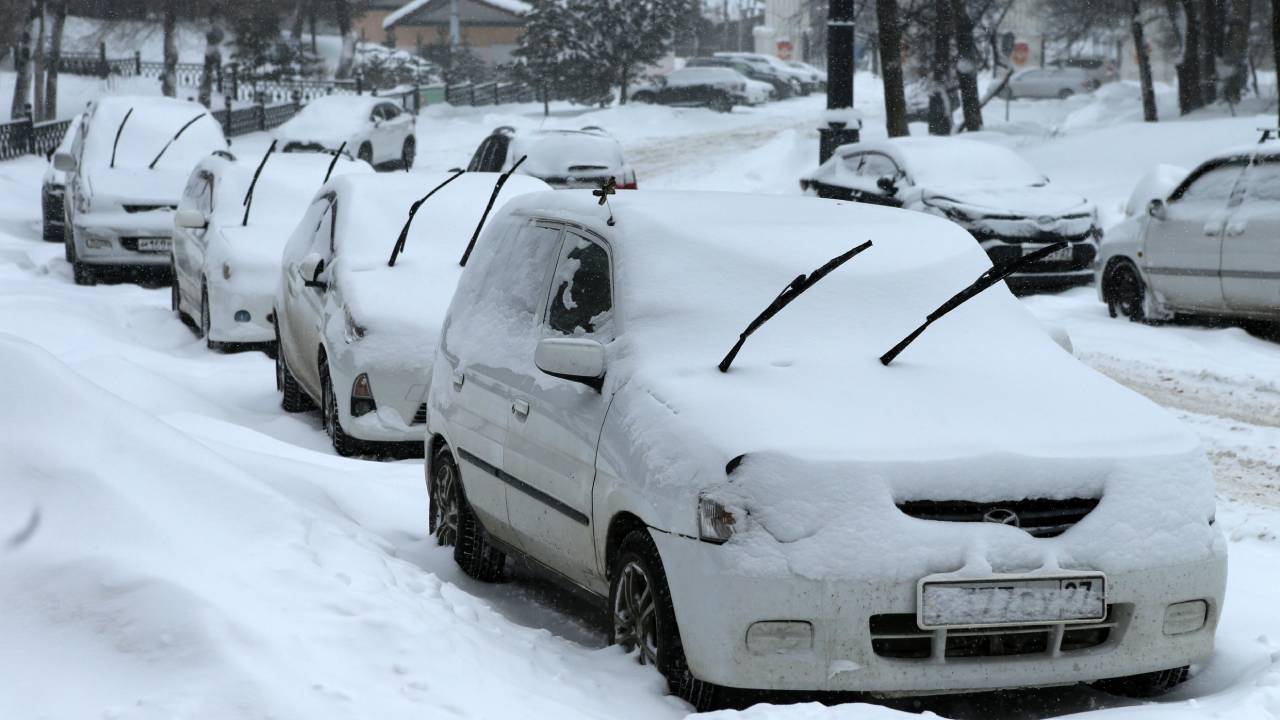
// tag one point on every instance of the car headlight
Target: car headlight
(715, 521)
(354, 331)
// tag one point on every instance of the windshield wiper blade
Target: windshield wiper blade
(413, 210)
(119, 130)
(497, 188)
(789, 293)
(984, 281)
(337, 154)
(248, 196)
(173, 139)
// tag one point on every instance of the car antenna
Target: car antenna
(984, 281)
(248, 196)
(337, 153)
(413, 210)
(119, 130)
(176, 135)
(789, 293)
(607, 188)
(497, 188)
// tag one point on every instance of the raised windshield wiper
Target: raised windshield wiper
(176, 135)
(497, 188)
(984, 281)
(119, 130)
(789, 293)
(413, 210)
(334, 161)
(248, 196)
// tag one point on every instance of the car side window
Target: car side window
(322, 239)
(1214, 185)
(389, 111)
(1262, 181)
(477, 160)
(581, 301)
(377, 113)
(877, 165)
(204, 194)
(497, 154)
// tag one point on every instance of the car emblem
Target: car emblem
(1046, 220)
(1002, 516)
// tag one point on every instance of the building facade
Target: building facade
(489, 28)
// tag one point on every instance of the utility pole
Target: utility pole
(455, 26)
(842, 125)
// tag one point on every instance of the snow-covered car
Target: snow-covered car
(227, 242)
(762, 84)
(124, 172)
(805, 517)
(1207, 246)
(1050, 82)
(52, 189)
(355, 334)
(1006, 204)
(717, 88)
(375, 130)
(819, 76)
(802, 81)
(584, 158)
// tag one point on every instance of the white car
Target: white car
(370, 128)
(226, 256)
(1206, 246)
(819, 76)
(811, 519)
(125, 169)
(584, 158)
(52, 189)
(802, 80)
(1050, 82)
(1008, 206)
(354, 333)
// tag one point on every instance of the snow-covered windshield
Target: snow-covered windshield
(957, 163)
(330, 116)
(555, 153)
(153, 122)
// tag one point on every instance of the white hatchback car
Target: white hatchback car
(1209, 247)
(373, 129)
(227, 241)
(811, 519)
(354, 333)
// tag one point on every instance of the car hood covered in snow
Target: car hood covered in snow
(983, 406)
(1020, 202)
(137, 186)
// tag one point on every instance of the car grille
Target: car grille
(1082, 255)
(1040, 517)
(897, 636)
(303, 147)
(420, 417)
(131, 244)
(147, 208)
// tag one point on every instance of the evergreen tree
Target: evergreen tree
(613, 40)
(543, 54)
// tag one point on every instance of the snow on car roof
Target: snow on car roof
(938, 161)
(331, 116)
(699, 74)
(153, 123)
(285, 188)
(553, 152)
(693, 269)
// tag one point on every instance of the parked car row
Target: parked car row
(788, 508)
(727, 79)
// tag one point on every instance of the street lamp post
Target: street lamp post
(842, 124)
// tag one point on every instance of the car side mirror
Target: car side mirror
(1156, 208)
(887, 185)
(64, 162)
(311, 268)
(577, 359)
(190, 219)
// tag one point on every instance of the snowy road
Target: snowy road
(199, 553)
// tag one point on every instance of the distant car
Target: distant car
(125, 171)
(985, 513)
(375, 130)
(1006, 204)
(819, 76)
(1101, 70)
(225, 270)
(753, 72)
(717, 88)
(53, 187)
(1049, 82)
(355, 334)
(1206, 247)
(584, 158)
(802, 81)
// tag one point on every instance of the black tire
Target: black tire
(365, 153)
(175, 297)
(443, 492)
(1146, 685)
(473, 552)
(645, 98)
(343, 444)
(1065, 93)
(657, 639)
(205, 321)
(48, 231)
(1125, 293)
(408, 152)
(83, 274)
(292, 398)
(68, 245)
(721, 104)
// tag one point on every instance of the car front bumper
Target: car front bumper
(239, 316)
(716, 606)
(400, 394)
(119, 238)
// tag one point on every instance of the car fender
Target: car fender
(1122, 242)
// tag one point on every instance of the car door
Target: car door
(189, 243)
(399, 127)
(1251, 243)
(555, 424)
(304, 305)
(1183, 249)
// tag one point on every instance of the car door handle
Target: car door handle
(520, 409)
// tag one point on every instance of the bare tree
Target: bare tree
(1275, 33)
(1190, 90)
(1237, 49)
(296, 18)
(940, 70)
(889, 38)
(1144, 63)
(169, 77)
(346, 60)
(1210, 47)
(55, 59)
(212, 54)
(22, 65)
(37, 104)
(967, 66)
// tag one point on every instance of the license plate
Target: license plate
(153, 244)
(1022, 600)
(1063, 255)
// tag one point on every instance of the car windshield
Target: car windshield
(151, 125)
(555, 153)
(970, 164)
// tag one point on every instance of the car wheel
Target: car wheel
(408, 152)
(83, 274)
(68, 245)
(204, 315)
(48, 232)
(722, 104)
(174, 298)
(643, 618)
(1146, 685)
(472, 551)
(444, 493)
(343, 444)
(1125, 293)
(365, 153)
(796, 87)
(1065, 93)
(643, 97)
(292, 398)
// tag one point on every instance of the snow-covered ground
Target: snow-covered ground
(173, 545)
